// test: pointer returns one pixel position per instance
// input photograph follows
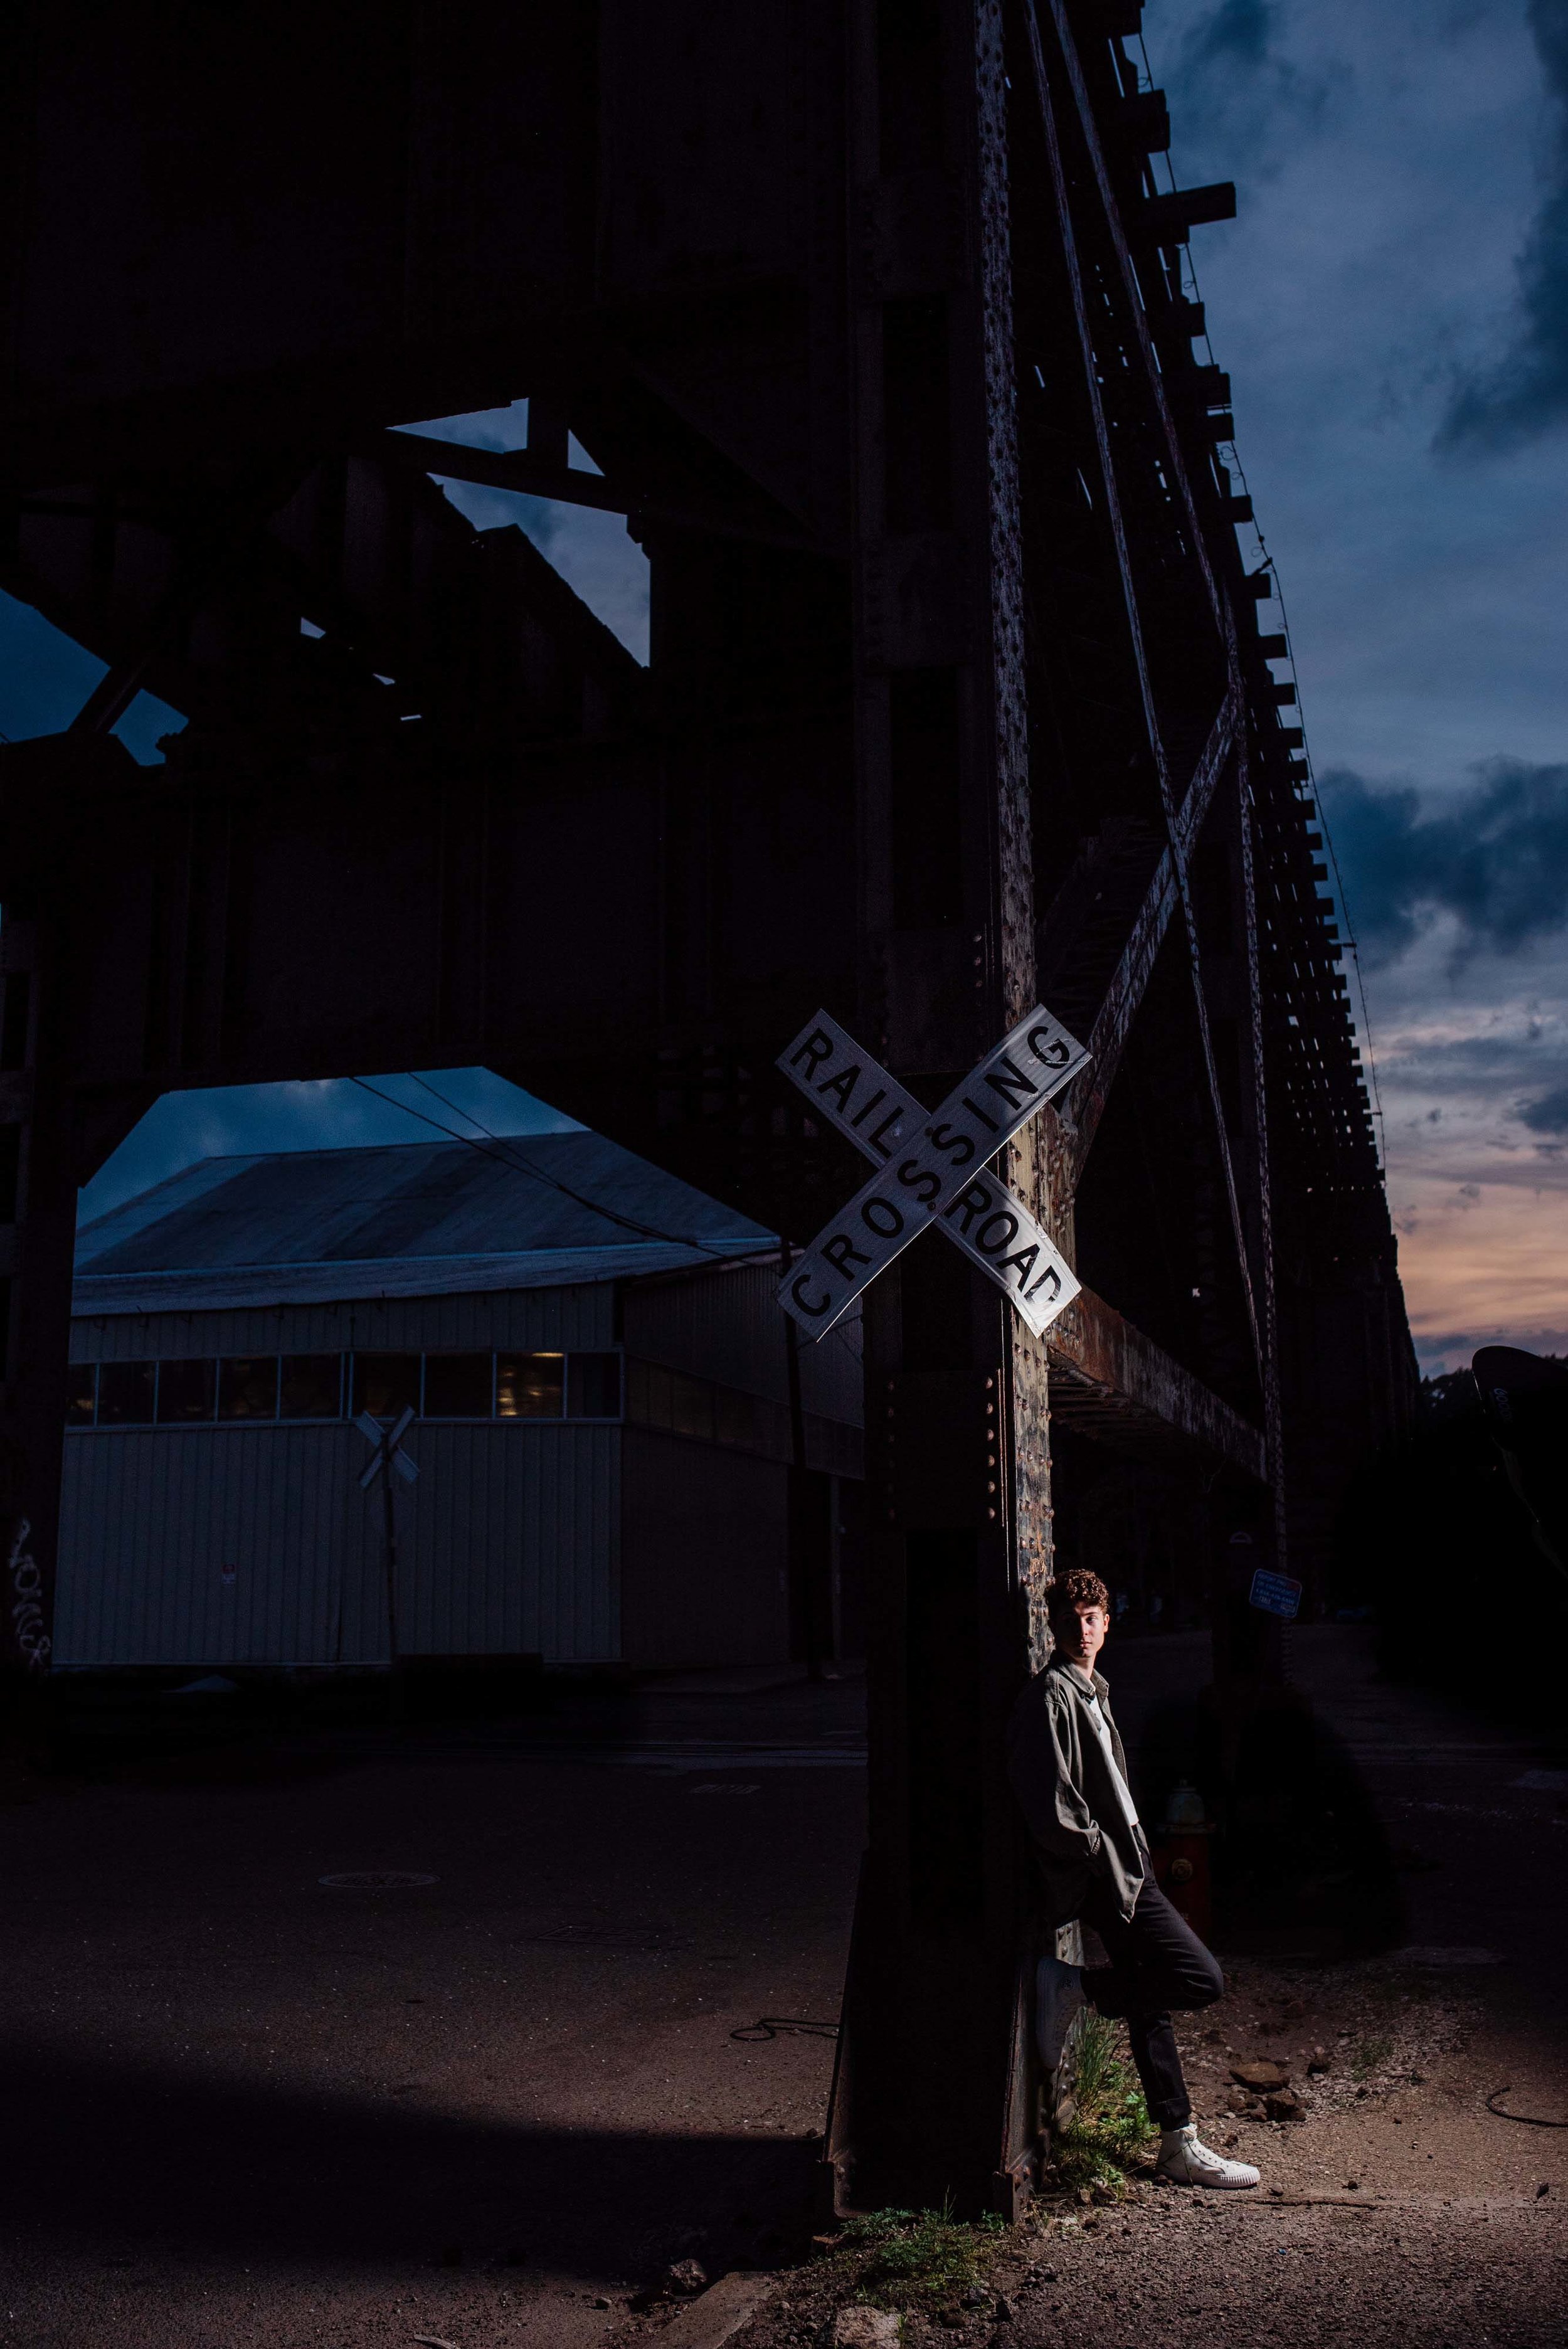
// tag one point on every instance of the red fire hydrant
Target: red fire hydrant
(1181, 1868)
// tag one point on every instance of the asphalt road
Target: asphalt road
(244, 2107)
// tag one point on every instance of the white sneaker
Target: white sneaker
(1058, 1994)
(1187, 2160)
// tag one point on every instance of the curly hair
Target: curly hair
(1069, 1591)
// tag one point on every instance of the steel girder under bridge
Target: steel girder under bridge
(874, 321)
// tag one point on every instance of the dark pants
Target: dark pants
(1157, 1962)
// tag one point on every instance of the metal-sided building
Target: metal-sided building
(605, 1439)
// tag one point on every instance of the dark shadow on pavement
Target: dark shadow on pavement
(115, 2158)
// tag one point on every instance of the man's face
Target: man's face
(1093, 1626)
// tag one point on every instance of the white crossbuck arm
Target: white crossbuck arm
(388, 1447)
(931, 1169)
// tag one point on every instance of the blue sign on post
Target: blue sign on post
(1275, 1593)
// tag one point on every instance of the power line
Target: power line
(522, 1167)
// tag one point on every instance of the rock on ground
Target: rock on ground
(863, 2328)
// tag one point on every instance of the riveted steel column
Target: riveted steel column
(934, 2094)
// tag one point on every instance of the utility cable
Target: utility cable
(522, 1166)
(1531, 2120)
(770, 2026)
(841, 1328)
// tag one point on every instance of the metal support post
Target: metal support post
(934, 2097)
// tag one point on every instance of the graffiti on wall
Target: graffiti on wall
(26, 1600)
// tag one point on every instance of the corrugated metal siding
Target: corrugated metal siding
(833, 1377)
(514, 1541)
(150, 1518)
(728, 1326)
(508, 1543)
(834, 1448)
(541, 1320)
(705, 1570)
(719, 1325)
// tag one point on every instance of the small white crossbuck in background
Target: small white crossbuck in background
(389, 1452)
(931, 1169)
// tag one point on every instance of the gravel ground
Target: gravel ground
(1399, 2209)
(247, 2111)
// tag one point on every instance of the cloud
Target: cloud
(1493, 858)
(1526, 392)
(594, 552)
(1229, 68)
(1547, 1115)
(1237, 34)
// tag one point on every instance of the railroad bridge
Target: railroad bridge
(874, 317)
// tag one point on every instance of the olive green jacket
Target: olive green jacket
(1061, 1775)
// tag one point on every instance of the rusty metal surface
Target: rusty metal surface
(1109, 1378)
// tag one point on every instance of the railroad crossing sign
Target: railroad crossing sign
(389, 1452)
(931, 1169)
(388, 1456)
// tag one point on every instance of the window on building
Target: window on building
(186, 1392)
(459, 1386)
(443, 1386)
(691, 1405)
(593, 1386)
(311, 1386)
(528, 1386)
(248, 1387)
(708, 1413)
(669, 1399)
(737, 1419)
(125, 1394)
(386, 1386)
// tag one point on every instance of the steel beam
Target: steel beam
(1110, 1381)
(1135, 622)
(1085, 1102)
(530, 475)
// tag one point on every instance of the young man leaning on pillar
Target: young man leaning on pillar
(1069, 1775)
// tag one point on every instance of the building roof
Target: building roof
(413, 1219)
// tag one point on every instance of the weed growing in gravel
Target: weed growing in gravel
(1368, 2055)
(918, 2259)
(1111, 2124)
(1400, 1990)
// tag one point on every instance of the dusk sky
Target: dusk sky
(1392, 307)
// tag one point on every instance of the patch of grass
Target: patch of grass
(1368, 2054)
(918, 2259)
(1400, 1989)
(1110, 2124)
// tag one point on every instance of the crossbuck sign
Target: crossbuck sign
(931, 1169)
